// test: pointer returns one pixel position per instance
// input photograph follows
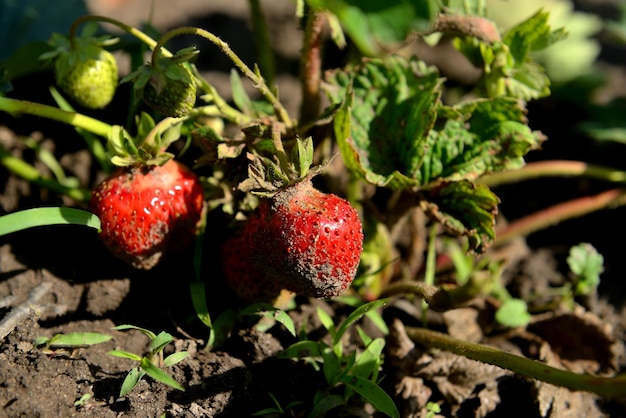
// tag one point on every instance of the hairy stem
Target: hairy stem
(554, 168)
(129, 29)
(603, 386)
(30, 173)
(75, 119)
(257, 80)
(311, 66)
(560, 212)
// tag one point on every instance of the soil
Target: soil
(62, 280)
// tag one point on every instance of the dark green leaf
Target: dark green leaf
(466, 209)
(376, 25)
(301, 349)
(373, 393)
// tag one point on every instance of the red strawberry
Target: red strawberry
(311, 242)
(147, 210)
(242, 276)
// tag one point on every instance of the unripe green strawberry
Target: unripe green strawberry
(173, 97)
(148, 210)
(167, 84)
(310, 242)
(87, 75)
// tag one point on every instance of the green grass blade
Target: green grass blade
(373, 393)
(159, 375)
(31, 218)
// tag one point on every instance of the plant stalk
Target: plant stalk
(75, 119)
(311, 66)
(560, 212)
(263, 43)
(610, 387)
(30, 173)
(554, 168)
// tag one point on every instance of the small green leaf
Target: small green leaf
(160, 341)
(175, 358)
(30, 218)
(132, 378)
(77, 339)
(124, 354)
(222, 326)
(356, 315)
(513, 313)
(159, 375)
(269, 311)
(326, 320)
(301, 349)
(373, 393)
(375, 25)
(587, 264)
(198, 299)
(147, 332)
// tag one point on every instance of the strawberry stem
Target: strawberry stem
(129, 29)
(311, 66)
(78, 120)
(26, 171)
(263, 43)
(554, 168)
(560, 212)
(256, 79)
(611, 387)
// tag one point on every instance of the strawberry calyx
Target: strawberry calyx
(148, 146)
(267, 175)
(167, 85)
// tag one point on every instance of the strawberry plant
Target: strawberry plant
(380, 183)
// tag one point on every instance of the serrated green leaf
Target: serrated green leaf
(587, 264)
(467, 209)
(388, 108)
(30, 218)
(374, 25)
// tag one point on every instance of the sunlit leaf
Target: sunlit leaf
(30, 218)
